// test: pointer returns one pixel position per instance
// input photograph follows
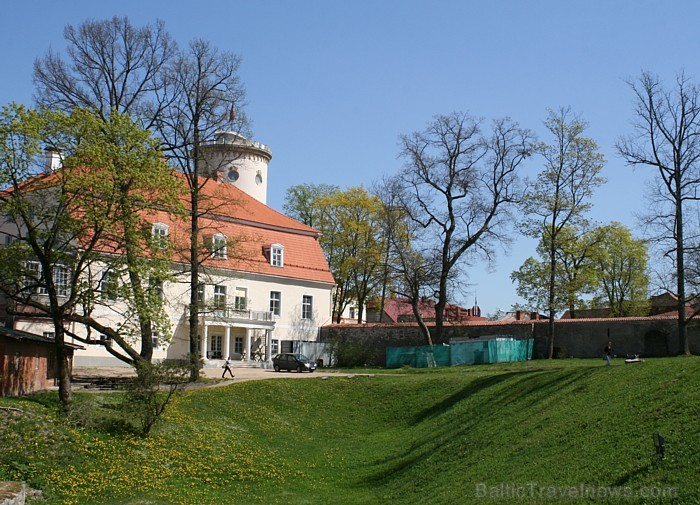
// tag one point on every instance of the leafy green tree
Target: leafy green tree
(603, 267)
(560, 197)
(621, 266)
(66, 227)
(353, 243)
(300, 202)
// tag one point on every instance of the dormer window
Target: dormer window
(218, 246)
(276, 255)
(160, 235)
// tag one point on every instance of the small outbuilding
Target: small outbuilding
(27, 362)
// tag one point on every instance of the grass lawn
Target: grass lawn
(570, 431)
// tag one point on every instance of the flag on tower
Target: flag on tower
(231, 114)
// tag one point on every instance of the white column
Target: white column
(268, 345)
(227, 343)
(248, 331)
(205, 342)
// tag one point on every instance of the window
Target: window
(220, 296)
(353, 313)
(275, 348)
(155, 335)
(200, 294)
(60, 280)
(215, 347)
(108, 286)
(307, 307)
(33, 277)
(238, 345)
(276, 255)
(276, 303)
(160, 235)
(240, 301)
(218, 246)
(49, 334)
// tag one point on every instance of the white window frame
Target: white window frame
(276, 303)
(307, 307)
(215, 345)
(37, 275)
(240, 302)
(218, 246)
(277, 255)
(61, 278)
(220, 296)
(160, 233)
(201, 294)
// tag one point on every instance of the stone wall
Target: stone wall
(357, 345)
(12, 493)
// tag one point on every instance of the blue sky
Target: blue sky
(331, 85)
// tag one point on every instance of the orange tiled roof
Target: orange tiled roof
(250, 226)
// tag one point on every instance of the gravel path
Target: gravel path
(99, 375)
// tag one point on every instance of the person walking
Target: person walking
(608, 352)
(227, 368)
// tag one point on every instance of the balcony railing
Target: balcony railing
(231, 313)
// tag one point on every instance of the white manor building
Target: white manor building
(266, 284)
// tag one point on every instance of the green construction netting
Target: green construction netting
(497, 350)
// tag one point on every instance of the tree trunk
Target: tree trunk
(63, 371)
(195, 302)
(552, 281)
(194, 288)
(684, 347)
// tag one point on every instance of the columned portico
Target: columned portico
(237, 338)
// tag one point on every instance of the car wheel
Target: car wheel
(277, 368)
(311, 371)
(300, 369)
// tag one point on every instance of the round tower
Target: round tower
(231, 158)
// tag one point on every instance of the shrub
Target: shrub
(153, 388)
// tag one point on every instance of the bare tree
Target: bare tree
(112, 65)
(460, 185)
(208, 91)
(667, 138)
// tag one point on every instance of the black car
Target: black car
(293, 361)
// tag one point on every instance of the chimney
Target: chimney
(534, 316)
(53, 160)
(518, 315)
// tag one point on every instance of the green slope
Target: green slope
(539, 432)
